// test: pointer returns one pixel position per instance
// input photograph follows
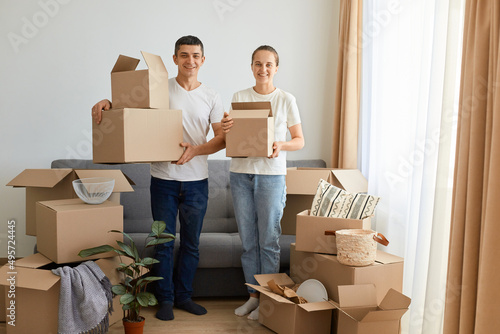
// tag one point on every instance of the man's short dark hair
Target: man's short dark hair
(188, 40)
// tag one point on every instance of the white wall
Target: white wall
(56, 56)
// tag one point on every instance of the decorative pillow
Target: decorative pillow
(334, 202)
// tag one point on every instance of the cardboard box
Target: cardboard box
(252, 134)
(53, 184)
(283, 316)
(37, 294)
(311, 231)
(137, 135)
(65, 227)
(131, 88)
(386, 273)
(360, 313)
(301, 186)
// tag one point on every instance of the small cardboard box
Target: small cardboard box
(283, 316)
(67, 226)
(141, 88)
(360, 313)
(137, 135)
(386, 273)
(311, 231)
(301, 186)
(252, 134)
(53, 184)
(34, 298)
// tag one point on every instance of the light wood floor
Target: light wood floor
(219, 319)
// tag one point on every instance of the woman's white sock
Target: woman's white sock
(248, 307)
(254, 315)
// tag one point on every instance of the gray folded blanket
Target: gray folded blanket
(85, 299)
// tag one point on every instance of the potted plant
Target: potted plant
(136, 269)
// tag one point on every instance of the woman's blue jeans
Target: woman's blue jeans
(189, 200)
(258, 202)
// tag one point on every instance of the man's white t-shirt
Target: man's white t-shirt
(286, 114)
(200, 107)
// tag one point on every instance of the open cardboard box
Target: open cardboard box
(283, 316)
(36, 300)
(137, 135)
(360, 313)
(386, 273)
(252, 134)
(67, 226)
(301, 186)
(311, 231)
(131, 88)
(56, 183)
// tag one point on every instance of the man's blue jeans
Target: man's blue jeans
(258, 202)
(189, 199)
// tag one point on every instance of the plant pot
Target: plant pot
(133, 327)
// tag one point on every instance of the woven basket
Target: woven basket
(356, 247)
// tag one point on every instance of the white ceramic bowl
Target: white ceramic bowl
(94, 190)
(313, 291)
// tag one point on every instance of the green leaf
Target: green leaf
(147, 261)
(96, 250)
(154, 242)
(128, 250)
(119, 289)
(146, 299)
(127, 298)
(157, 228)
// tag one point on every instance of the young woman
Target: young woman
(258, 184)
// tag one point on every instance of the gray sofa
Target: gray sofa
(219, 271)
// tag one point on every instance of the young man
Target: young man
(182, 187)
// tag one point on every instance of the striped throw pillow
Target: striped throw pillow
(330, 201)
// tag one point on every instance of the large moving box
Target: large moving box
(141, 88)
(283, 316)
(34, 299)
(301, 186)
(54, 184)
(311, 231)
(137, 135)
(386, 273)
(65, 227)
(252, 134)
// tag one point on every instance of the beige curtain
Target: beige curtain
(347, 96)
(473, 284)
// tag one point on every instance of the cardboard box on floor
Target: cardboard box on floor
(283, 316)
(65, 227)
(360, 313)
(311, 231)
(252, 134)
(53, 184)
(131, 88)
(137, 135)
(386, 273)
(36, 290)
(301, 186)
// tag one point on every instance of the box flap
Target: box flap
(265, 290)
(304, 181)
(74, 204)
(357, 295)
(351, 180)
(124, 63)
(280, 279)
(257, 113)
(33, 261)
(154, 62)
(394, 300)
(381, 315)
(45, 178)
(386, 258)
(122, 182)
(318, 306)
(252, 106)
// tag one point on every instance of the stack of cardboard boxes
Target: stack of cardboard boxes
(364, 299)
(140, 128)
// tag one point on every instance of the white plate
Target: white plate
(313, 291)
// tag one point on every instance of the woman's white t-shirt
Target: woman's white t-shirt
(286, 114)
(200, 107)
